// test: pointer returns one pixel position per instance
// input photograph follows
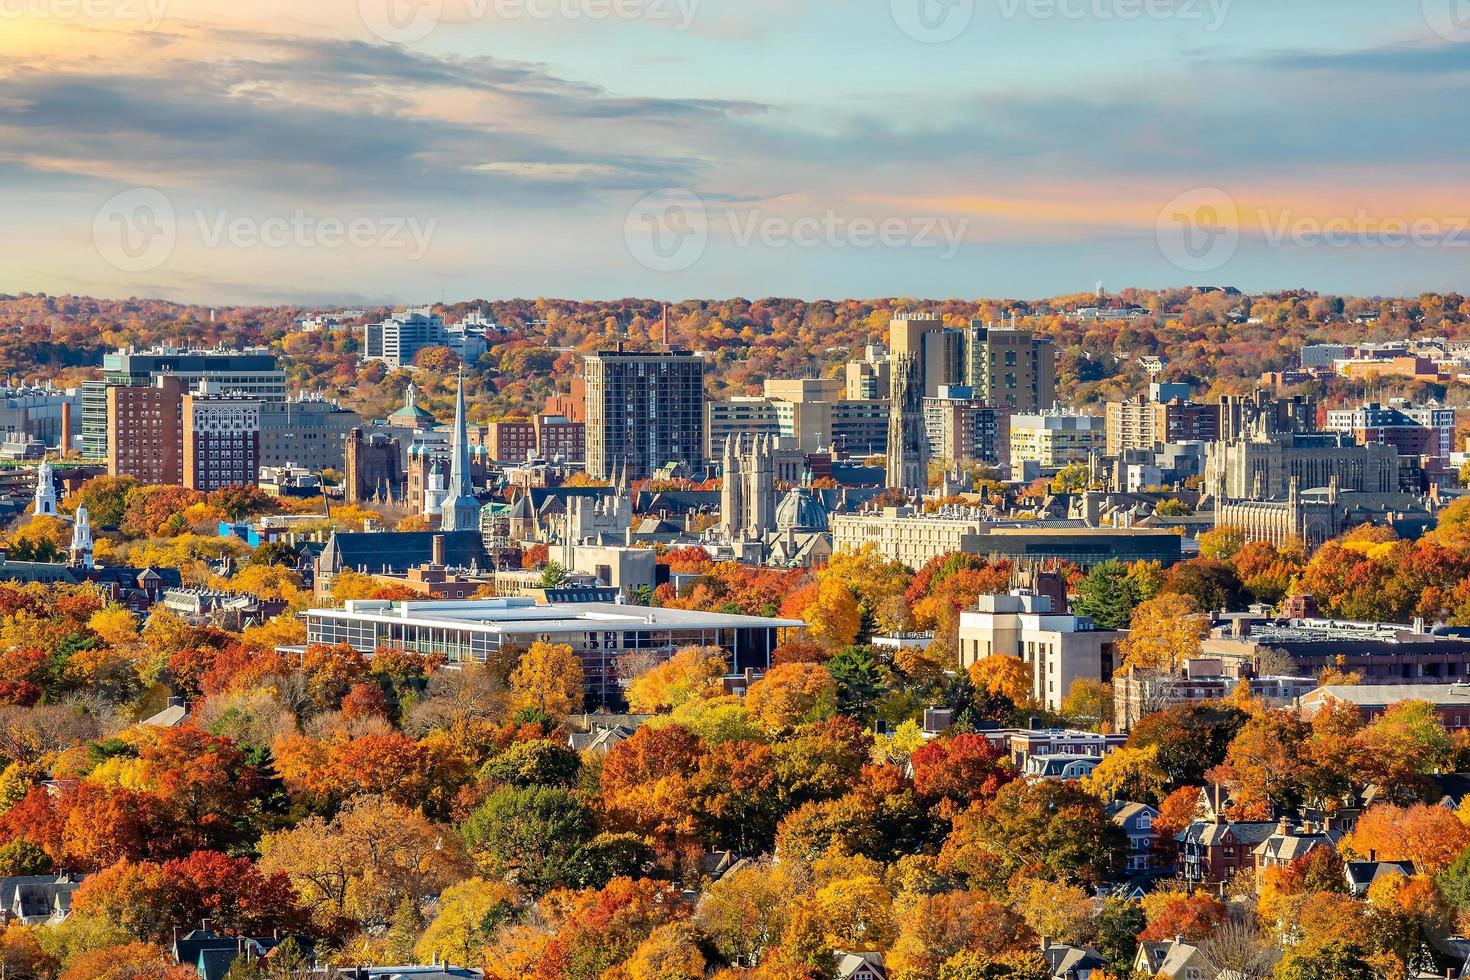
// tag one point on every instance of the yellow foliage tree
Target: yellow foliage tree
(115, 625)
(671, 952)
(692, 674)
(1128, 774)
(1004, 676)
(1165, 631)
(469, 913)
(1056, 909)
(548, 678)
(858, 913)
(835, 618)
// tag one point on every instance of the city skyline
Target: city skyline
(355, 152)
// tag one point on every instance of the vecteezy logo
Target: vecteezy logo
(400, 21)
(932, 21)
(666, 231)
(1199, 230)
(135, 230)
(1450, 19)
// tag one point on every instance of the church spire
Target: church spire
(461, 509)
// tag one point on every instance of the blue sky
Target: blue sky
(283, 152)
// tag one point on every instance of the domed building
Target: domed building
(800, 511)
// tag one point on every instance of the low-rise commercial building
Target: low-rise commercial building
(473, 630)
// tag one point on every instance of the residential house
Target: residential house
(1361, 875)
(1213, 848)
(34, 900)
(1071, 962)
(1062, 766)
(861, 966)
(1173, 959)
(1137, 821)
(1290, 842)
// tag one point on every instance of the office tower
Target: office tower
(1011, 368)
(937, 351)
(144, 429)
(908, 446)
(221, 444)
(645, 410)
(253, 373)
(397, 340)
(1056, 438)
(310, 433)
(963, 429)
(867, 378)
(1145, 424)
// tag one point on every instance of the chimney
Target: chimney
(1284, 826)
(439, 549)
(1372, 856)
(1045, 943)
(65, 441)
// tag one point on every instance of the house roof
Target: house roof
(849, 963)
(1210, 833)
(1361, 874)
(1123, 812)
(1063, 959)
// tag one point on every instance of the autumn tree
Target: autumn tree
(363, 862)
(790, 694)
(1003, 676)
(693, 673)
(549, 680)
(1164, 632)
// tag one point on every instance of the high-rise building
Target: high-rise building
(937, 350)
(867, 378)
(963, 429)
(809, 414)
(1011, 368)
(252, 373)
(221, 445)
(908, 445)
(144, 428)
(1146, 423)
(645, 410)
(1427, 431)
(547, 436)
(308, 433)
(397, 340)
(1055, 438)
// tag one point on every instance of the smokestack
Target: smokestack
(439, 549)
(65, 441)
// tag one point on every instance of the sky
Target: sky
(324, 152)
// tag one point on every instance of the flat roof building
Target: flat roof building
(475, 629)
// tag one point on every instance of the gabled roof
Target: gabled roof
(849, 964)
(1063, 959)
(1361, 874)
(1209, 833)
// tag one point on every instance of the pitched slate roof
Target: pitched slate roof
(1209, 833)
(398, 551)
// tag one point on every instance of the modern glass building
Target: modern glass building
(474, 629)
